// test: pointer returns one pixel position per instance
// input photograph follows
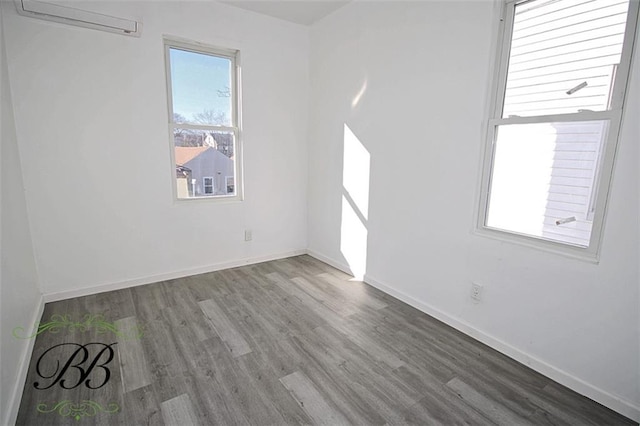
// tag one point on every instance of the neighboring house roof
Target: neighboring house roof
(184, 154)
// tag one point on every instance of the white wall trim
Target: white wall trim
(68, 294)
(23, 366)
(574, 383)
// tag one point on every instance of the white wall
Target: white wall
(91, 118)
(424, 67)
(20, 299)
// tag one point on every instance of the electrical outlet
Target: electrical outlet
(476, 292)
(247, 235)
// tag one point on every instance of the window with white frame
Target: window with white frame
(203, 96)
(552, 135)
(230, 185)
(207, 183)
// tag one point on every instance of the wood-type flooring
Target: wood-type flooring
(291, 341)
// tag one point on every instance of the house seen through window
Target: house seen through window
(551, 139)
(203, 110)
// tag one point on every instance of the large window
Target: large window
(552, 135)
(203, 120)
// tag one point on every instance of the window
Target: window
(229, 184)
(555, 118)
(207, 182)
(203, 120)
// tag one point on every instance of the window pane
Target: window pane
(201, 88)
(204, 161)
(543, 177)
(564, 56)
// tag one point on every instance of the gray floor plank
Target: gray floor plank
(342, 309)
(179, 411)
(311, 401)
(224, 328)
(488, 407)
(356, 291)
(133, 362)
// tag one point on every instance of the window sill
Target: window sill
(566, 250)
(220, 199)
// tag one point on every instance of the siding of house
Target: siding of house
(210, 163)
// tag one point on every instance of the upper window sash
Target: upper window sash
(232, 56)
(620, 77)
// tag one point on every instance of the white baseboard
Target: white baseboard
(68, 294)
(613, 402)
(23, 366)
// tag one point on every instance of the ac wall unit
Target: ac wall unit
(82, 18)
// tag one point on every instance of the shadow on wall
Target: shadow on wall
(355, 203)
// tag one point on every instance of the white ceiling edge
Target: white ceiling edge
(303, 12)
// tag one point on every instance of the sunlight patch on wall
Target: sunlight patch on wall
(355, 203)
(358, 96)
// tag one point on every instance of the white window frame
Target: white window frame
(236, 114)
(204, 184)
(610, 144)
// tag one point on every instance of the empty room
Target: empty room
(366, 212)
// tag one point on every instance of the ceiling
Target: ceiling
(305, 12)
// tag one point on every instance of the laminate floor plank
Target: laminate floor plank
(241, 389)
(225, 328)
(190, 315)
(268, 388)
(312, 304)
(367, 395)
(179, 411)
(142, 407)
(435, 410)
(291, 341)
(133, 364)
(373, 376)
(438, 406)
(356, 291)
(149, 301)
(490, 408)
(163, 357)
(335, 304)
(311, 401)
(215, 387)
(291, 307)
(582, 409)
(113, 305)
(366, 339)
(267, 304)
